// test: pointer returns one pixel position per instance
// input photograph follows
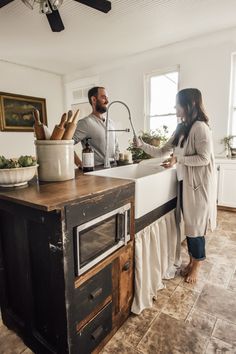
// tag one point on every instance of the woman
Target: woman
(192, 149)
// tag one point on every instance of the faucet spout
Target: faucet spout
(106, 159)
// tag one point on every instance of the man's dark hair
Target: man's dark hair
(93, 92)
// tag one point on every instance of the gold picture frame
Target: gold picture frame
(16, 112)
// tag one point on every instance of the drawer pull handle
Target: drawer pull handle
(95, 293)
(126, 266)
(97, 333)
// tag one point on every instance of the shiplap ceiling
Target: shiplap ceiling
(91, 37)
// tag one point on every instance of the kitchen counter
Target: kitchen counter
(50, 196)
(225, 160)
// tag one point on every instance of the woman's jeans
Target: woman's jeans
(196, 245)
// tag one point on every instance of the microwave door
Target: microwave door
(98, 238)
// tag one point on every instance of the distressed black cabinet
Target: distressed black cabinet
(41, 297)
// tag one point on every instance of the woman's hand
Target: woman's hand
(137, 142)
(170, 162)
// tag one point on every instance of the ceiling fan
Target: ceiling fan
(50, 9)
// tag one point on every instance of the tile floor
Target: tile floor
(185, 319)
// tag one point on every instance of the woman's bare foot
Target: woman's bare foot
(191, 277)
(187, 269)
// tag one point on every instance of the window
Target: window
(232, 113)
(161, 90)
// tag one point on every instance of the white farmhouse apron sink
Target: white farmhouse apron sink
(154, 185)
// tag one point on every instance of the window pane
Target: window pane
(158, 122)
(232, 117)
(163, 89)
(234, 82)
(234, 124)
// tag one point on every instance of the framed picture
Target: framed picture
(16, 112)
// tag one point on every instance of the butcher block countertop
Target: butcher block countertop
(50, 196)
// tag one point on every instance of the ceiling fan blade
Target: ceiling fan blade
(100, 5)
(55, 21)
(5, 2)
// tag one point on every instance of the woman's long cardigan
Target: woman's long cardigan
(199, 178)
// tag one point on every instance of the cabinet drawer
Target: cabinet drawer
(125, 278)
(93, 292)
(95, 331)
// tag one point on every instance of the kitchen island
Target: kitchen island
(43, 297)
(158, 228)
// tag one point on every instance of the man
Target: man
(94, 126)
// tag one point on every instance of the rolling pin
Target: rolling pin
(69, 118)
(59, 129)
(38, 126)
(71, 126)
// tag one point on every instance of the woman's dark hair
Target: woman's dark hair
(191, 101)
(93, 92)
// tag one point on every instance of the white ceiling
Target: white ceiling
(91, 37)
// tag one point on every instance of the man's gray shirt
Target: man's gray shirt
(95, 128)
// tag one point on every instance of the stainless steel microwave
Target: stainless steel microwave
(98, 238)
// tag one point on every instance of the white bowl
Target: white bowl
(14, 177)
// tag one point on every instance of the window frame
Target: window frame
(147, 92)
(232, 92)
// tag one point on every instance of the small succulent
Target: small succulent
(12, 163)
(26, 161)
(3, 162)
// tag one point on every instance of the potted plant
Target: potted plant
(155, 137)
(229, 145)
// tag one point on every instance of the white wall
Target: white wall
(204, 63)
(26, 81)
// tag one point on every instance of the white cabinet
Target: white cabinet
(226, 184)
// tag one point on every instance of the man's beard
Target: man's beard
(100, 108)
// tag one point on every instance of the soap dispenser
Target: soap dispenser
(88, 157)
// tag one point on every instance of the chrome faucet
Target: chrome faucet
(106, 159)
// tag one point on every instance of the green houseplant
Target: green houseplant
(228, 145)
(155, 137)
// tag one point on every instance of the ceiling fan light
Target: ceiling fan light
(45, 8)
(29, 3)
(56, 4)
